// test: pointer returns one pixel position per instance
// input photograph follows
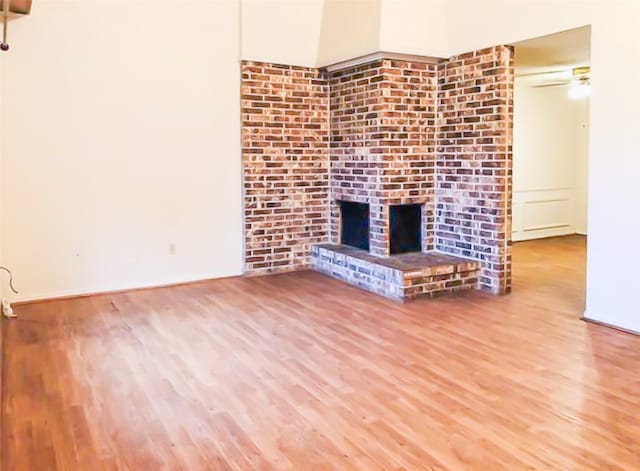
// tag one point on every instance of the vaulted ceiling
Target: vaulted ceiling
(554, 52)
(322, 32)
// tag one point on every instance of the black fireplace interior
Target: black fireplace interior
(355, 224)
(406, 228)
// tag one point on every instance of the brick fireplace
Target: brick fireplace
(405, 228)
(354, 228)
(382, 143)
(393, 175)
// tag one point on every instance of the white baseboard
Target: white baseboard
(541, 234)
(105, 290)
(594, 319)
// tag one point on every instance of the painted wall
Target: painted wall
(613, 164)
(4, 284)
(120, 145)
(350, 28)
(309, 33)
(550, 152)
(269, 32)
(414, 27)
(582, 168)
(97, 100)
(329, 31)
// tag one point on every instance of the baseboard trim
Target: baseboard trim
(610, 326)
(67, 297)
(573, 234)
(523, 236)
(374, 56)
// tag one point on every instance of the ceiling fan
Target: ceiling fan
(9, 7)
(578, 79)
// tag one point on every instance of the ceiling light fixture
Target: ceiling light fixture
(9, 7)
(580, 86)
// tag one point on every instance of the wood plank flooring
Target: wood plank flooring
(302, 372)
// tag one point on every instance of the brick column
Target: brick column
(285, 136)
(474, 167)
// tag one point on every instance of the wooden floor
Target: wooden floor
(302, 372)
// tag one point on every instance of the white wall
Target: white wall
(4, 286)
(282, 31)
(581, 210)
(350, 28)
(414, 27)
(115, 144)
(309, 32)
(120, 138)
(550, 152)
(614, 124)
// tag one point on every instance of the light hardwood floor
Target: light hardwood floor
(302, 372)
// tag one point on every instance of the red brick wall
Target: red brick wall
(285, 134)
(474, 161)
(356, 160)
(383, 143)
(388, 132)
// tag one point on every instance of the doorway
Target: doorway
(550, 164)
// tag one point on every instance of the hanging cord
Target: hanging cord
(10, 279)
(6, 4)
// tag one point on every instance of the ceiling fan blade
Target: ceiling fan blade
(537, 74)
(21, 7)
(548, 85)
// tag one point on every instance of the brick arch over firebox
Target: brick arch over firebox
(386, 132)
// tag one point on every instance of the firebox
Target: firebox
(355, 224)
(405, 228)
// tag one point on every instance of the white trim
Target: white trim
(112, 290)
(522, 236)
(588, 318)
(374, 56)
(548, 200)
(548, 227)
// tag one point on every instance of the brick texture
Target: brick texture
(475, 107)
(384, 133)
(398, 280)
(383, 138)
(285, 134)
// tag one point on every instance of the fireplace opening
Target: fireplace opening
(406, 228)
(355, 224)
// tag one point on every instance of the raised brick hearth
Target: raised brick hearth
(399, 277)
(421, 147)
